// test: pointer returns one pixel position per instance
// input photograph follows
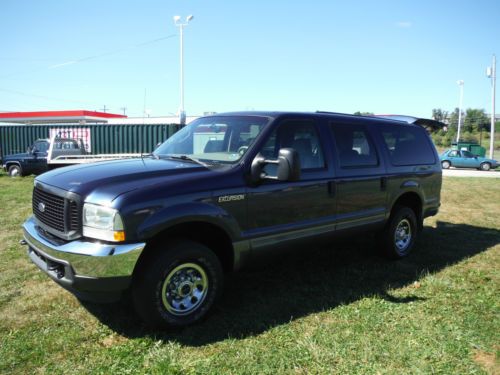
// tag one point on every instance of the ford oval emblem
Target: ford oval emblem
(41, 207)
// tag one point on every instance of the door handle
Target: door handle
(383, 183)
(332, 188)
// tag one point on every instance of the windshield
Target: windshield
(217, 140)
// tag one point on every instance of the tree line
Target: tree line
(475, 126)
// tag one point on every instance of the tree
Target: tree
(358, 113)
(476, 120)
(439, 115)
(454, 118)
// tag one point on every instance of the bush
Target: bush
(469, 137)
(438, 139)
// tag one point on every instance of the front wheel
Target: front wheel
(177, 285)
(15, 171)
(400, 233)
(485, 166)
(445, 164)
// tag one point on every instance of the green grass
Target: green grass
(329, 309)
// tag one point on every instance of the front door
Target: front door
(37, 162)
(281, 210)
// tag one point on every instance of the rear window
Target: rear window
(407, 145)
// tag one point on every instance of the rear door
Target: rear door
(469, 160)
(361, 180)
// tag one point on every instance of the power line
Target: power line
(92, 57)
(45, 97)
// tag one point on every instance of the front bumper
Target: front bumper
(91, 270)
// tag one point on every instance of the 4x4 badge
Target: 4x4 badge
(231, 198)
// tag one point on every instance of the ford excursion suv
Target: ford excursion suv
(222, 192)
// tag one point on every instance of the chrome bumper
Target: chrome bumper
(82, 265)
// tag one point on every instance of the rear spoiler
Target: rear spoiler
(428, 124)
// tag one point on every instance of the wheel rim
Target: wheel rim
(14, 172)
(402, 235)
(446, 165)
(184, 289)
(486, 167)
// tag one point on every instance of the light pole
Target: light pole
(491, 72)
(461, 84)
(178, 22)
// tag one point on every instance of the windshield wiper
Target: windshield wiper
(150, 155)
(187, 158)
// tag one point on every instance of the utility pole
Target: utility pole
(491, 72)
(461, 84)
(124, 109)
(104, 109)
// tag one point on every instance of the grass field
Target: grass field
(330, 309)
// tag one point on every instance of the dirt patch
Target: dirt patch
(487, 361)
(112, 340)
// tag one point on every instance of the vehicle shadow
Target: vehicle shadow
(315, 279)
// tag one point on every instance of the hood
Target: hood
(16, 156)
(108, 180)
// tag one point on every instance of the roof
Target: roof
(339, 116)
(52, 117)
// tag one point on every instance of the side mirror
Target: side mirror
(288, 169)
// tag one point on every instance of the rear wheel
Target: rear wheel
(445, 164)
(177, 285)
(15, 171)
(400, 233)
(485, 166)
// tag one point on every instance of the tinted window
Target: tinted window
(467, 154)
(354, 146)
(407, 145)
(300, 135)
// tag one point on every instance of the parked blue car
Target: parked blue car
(465, 159)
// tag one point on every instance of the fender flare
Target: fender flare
(190, 212)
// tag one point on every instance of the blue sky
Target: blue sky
(381, 56)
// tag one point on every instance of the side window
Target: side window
(300, 135)
(41, 146)
(354, 146)
(407, 145)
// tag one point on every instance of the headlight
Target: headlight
(102, 223)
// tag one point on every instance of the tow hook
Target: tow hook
(23, 242)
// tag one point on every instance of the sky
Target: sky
(384, 56)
